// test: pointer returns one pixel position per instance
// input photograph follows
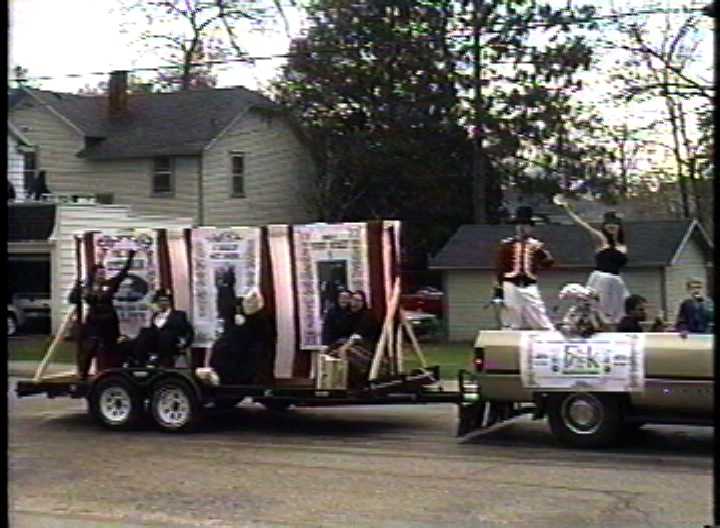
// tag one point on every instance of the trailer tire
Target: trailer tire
(116, 404)
(584, 419)
(175, 407)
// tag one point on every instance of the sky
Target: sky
(90, 39)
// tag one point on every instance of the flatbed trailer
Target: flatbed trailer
(177, 399)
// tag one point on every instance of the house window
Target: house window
(162, 178)
(237, 164)
(29, 170)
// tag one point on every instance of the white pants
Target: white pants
(524, 308)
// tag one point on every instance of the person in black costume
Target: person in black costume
(99, 333)
(363, 327)
(226, 298)
(169, 332)
(336, 323)
(244, 353)
(610, 258)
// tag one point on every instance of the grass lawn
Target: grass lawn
(451, 357)
(33, 348)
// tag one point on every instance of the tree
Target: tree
(374, 84)
(192, 34)
(661, 67)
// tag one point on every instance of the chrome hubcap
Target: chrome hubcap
(173, 407)
(582, 415)
(115, 405)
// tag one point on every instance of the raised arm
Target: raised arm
(597, 236)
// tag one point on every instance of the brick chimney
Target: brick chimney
(117, 94)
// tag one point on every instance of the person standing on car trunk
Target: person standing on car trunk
(518, 260)
(100, 331)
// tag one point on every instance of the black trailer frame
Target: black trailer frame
(142, 383)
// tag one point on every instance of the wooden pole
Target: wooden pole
(387, 327)
(53, 346)
(413, 339)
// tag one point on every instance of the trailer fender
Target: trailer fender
(200, 394)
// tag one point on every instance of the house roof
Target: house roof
(650, 244)
(156, 124)
(29, 222)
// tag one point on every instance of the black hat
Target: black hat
(162, 294)
(611, 218)
(523, 215)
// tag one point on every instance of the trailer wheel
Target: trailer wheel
(175, 407)
(582, 419)
(116, 403)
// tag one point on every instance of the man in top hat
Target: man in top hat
(169, 332)
(518, 260)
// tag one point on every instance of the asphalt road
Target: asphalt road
(394, 466)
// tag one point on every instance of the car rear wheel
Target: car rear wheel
(175, 407)
(584, 419)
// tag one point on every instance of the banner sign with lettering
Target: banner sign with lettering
(607, 362)
(328, 257)
(222, 259)
(133, 299)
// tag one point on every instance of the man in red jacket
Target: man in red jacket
(518, 260)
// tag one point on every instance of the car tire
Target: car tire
(116, 404)
(12, 325)
(584, 419)
(174, 406)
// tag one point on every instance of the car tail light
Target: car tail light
(479, 359)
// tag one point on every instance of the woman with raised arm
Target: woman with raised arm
(100, 332)
(610, 258)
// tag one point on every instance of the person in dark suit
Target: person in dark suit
(98, 334)
(168, 333)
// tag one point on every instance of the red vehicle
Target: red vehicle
(428, 300)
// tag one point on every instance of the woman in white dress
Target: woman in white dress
(610, 258)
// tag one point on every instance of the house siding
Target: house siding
(128, 180)
(277, 172)
(15, 167)
(75, 219)
(690, 263)
(468, 291)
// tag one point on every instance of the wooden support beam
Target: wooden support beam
(42, 367)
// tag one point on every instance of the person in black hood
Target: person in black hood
(336, 323)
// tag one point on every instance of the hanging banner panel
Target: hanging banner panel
(611, 362)
(133, 299)
(327, 257)
(225, 264)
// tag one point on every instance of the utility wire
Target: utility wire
(455, 35)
